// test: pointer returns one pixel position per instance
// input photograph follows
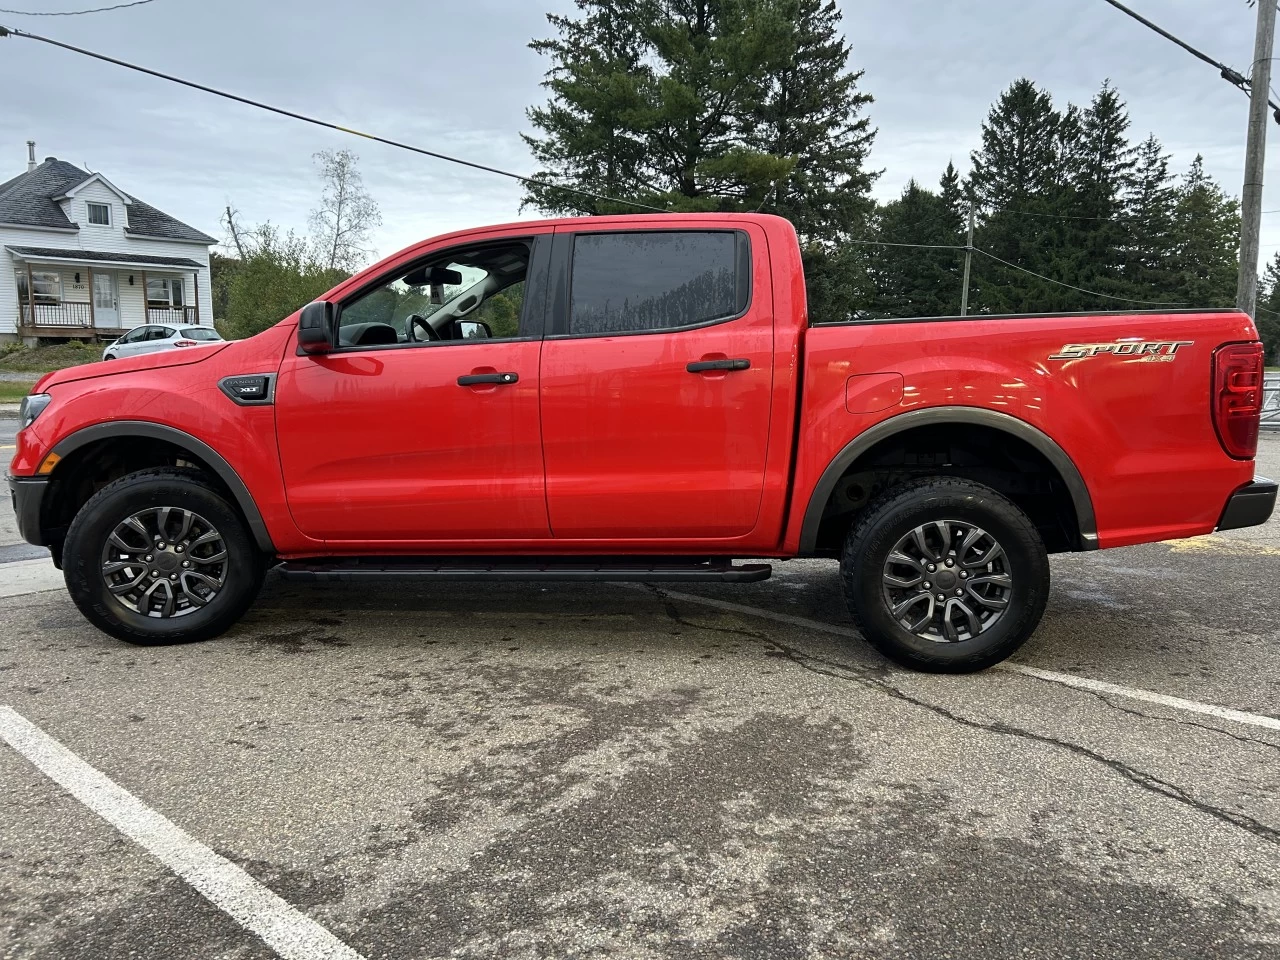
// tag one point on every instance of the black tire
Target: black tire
(891, 520)
(185, 490)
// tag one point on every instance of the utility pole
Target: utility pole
(1255, 157)
(968, 263)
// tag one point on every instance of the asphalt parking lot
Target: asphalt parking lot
(609, 771)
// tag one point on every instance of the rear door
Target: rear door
(656, 381)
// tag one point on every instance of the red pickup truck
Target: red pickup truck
(639, 398)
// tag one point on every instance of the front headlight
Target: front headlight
(32, 406)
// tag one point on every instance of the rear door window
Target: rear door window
(644, 281)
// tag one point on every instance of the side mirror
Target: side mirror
(315, 328)
(471, 330)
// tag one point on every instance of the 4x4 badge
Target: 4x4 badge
(1150, 350)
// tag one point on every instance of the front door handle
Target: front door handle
(702, 366)
(476, 379)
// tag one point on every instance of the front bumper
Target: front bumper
(1250, 506)
(28, 497)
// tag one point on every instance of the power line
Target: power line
(913, 246)
(1014, 266)
(1232, 76)
(533, 181)
(73, 13)
(1092, 293)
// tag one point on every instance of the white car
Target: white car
(158, 336)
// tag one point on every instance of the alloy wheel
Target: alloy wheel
(164, 562)
(947, 581)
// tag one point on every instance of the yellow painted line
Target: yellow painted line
(9, 447)
(1228, 546)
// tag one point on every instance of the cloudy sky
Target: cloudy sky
(457, 77)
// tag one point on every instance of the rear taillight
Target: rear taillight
(185, 343)
(1237, 397)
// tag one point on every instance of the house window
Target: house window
(164, 292)
(100, 214)
(47, 286)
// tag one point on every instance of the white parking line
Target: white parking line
(286, 930)
(1051, 676)
(30, 576)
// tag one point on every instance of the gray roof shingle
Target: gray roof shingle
(27, 200)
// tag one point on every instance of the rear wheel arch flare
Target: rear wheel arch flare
(868, 440)
(200, 452)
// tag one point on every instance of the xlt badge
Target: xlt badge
(1156, 351)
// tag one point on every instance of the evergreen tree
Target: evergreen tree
(811, 112)
(650, 101)
(1015, 184)
(919, 282)
(1206, 253)
(1149, 217)
(1098, 178)
(717, 105)
(951, 191)
(1268, 319)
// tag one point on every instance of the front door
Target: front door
(657, 386)
(106, 306)
(421, 427)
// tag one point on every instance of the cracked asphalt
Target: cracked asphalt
(609, 771)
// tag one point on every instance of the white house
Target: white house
(80, 258)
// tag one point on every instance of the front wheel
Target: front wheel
(160, 556)
(945, 575)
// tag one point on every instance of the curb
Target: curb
(9, 409)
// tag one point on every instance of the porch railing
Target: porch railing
(65, 314)
(185, 315)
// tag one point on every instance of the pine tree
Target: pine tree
(1098, 178)
(713, 105)
(648, 102)
(812, 112)
(951, 190)
(1268, 319)
(919, 282)
(1015, 184)
(1149, 218)
(1206, 257)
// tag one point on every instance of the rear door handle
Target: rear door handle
(702, 366)
(475, 379)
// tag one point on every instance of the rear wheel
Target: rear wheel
(160, 557)
(945, 575)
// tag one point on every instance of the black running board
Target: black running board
(568, 569)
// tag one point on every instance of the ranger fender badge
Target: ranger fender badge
(1156, 351)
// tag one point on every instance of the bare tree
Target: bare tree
(234, 230)
(347, 214)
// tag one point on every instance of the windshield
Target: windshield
(200, 333)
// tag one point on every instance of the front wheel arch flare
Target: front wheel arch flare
(206, 454)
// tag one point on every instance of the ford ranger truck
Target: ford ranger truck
(639, 398)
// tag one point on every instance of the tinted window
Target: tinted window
(161, 333)
(200, 333)
(626, 282)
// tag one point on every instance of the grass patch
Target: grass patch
(57, 356)
(11, 392)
